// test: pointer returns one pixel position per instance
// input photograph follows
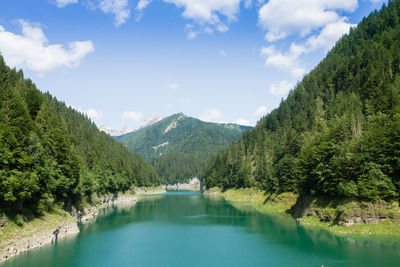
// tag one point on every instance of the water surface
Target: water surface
(189, 229)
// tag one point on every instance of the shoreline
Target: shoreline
(348, 218)
(59, 224)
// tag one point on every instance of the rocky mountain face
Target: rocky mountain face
(126, 129)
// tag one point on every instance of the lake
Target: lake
(190, 229)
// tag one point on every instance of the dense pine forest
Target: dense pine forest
(51, 154)
(338, 132)
(180, 147)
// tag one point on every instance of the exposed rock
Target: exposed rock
(20, 245)
(350, 212)
(149, 190)
(193, 185)
(3, 221)
(65, 228)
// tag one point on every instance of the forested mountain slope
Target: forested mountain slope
(51, 154)
(180, 147)
(338, 132)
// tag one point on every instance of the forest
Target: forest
(50, 154)
(179, 147)
(338, 132)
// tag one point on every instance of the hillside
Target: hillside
(179, 147)
(337, 135)
(51, 154)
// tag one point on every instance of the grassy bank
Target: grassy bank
(16, 231)
(343, 218)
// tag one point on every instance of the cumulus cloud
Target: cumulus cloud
(241, 121)
(119, 8)
(206, 16)
(142, 4)
(328, 36)
(63, 3)
(132, 115)
(288, 61)
(281, 18)
(212, 115)
(32, 50)
(93, 114)
(281, 88)
(261, 111)
(140, 7)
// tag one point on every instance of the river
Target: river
(189, 229)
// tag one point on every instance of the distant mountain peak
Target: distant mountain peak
(125, 130)
(149, 121)
(115, 132)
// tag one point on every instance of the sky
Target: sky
(121, 61)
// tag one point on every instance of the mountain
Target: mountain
(119, 132)
(115, 132)
(51, 154)
(337, 134)
(179, 146)
(149, 121)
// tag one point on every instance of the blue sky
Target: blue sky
(121, 61)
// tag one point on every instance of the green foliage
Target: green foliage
(338, 132)
(180, 147)
(52, 155)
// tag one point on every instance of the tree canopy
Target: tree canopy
(338, 132)
(52, 154)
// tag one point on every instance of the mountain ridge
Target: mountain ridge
(179, 138)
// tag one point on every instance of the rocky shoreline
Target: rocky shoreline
(64, 224)
(339, 217)
(194, 184)
(20, 245)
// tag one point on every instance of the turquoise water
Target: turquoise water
(189, 229)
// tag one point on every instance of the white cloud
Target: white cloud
(241, 121)
(328, 36)
(32, 50)
(174, 85)
(261, 111)
(222, 52)
(281, 18)
(169, 106)
(142, 4)
(132, 115)
(248, 3)
(91, 113)
(206, 16)
(212, 115)
(281, 88)
(288, 62)
(63, 3)
(208, 11)
(119, 8)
